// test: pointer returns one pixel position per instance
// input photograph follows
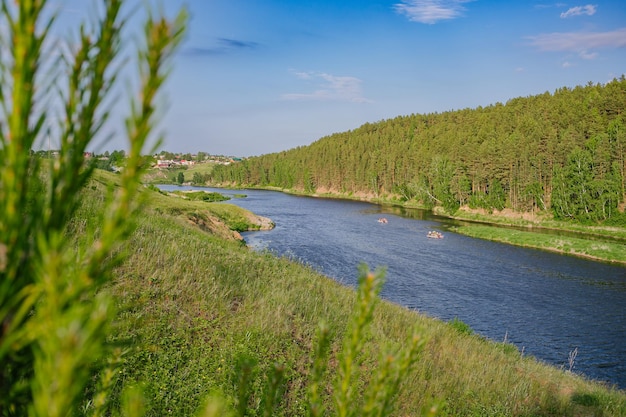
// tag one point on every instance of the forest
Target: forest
(562, 153)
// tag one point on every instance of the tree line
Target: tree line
(563, 152)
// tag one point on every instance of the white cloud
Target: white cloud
(542, 6)
(580, 42)
(303, 75)
(330, 88)
(430, 11)
(588, 55)
(589, 10)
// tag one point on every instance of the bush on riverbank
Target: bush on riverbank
(201, 196)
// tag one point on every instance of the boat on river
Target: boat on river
(433, 234)
(383, 220)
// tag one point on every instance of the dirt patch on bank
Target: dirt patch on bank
(359, 195)
(506, 214)
(215, 226)
(212, 225)
(263, 223)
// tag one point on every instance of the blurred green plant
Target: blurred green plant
(392, 368)
(383, 382)
(54, 315)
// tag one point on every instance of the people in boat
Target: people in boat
(435, 234)
(383, 220)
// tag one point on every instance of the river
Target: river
(547, 304)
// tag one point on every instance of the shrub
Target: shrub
(460, 326)
(203, 196)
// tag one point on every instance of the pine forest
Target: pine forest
(562, 153)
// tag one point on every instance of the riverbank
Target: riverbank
(585, 248)
(598, 243)
(604, 244)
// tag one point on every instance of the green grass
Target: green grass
(168, 176)
(544, 221)
(604, 250)
(201, 196)
(202, 168)
(193, 305)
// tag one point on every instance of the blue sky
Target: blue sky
(261, 76)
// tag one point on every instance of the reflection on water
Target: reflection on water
(545, 303)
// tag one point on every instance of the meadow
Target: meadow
(591, 240)
(601, 250)
(196, 174)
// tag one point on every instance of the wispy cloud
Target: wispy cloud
(580, 42)
(430, 11)
(541, 6)
(589, 10)
(237, 44)
(588, 55)
(223, 46)
(329, 88)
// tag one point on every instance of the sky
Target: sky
(261, 76)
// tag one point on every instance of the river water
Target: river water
(546, 304)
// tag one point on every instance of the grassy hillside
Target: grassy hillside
(195, 304)
(197, 174)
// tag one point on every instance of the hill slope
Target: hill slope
(193, 304)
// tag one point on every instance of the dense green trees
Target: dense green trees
(563, 152)
(587, 187)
